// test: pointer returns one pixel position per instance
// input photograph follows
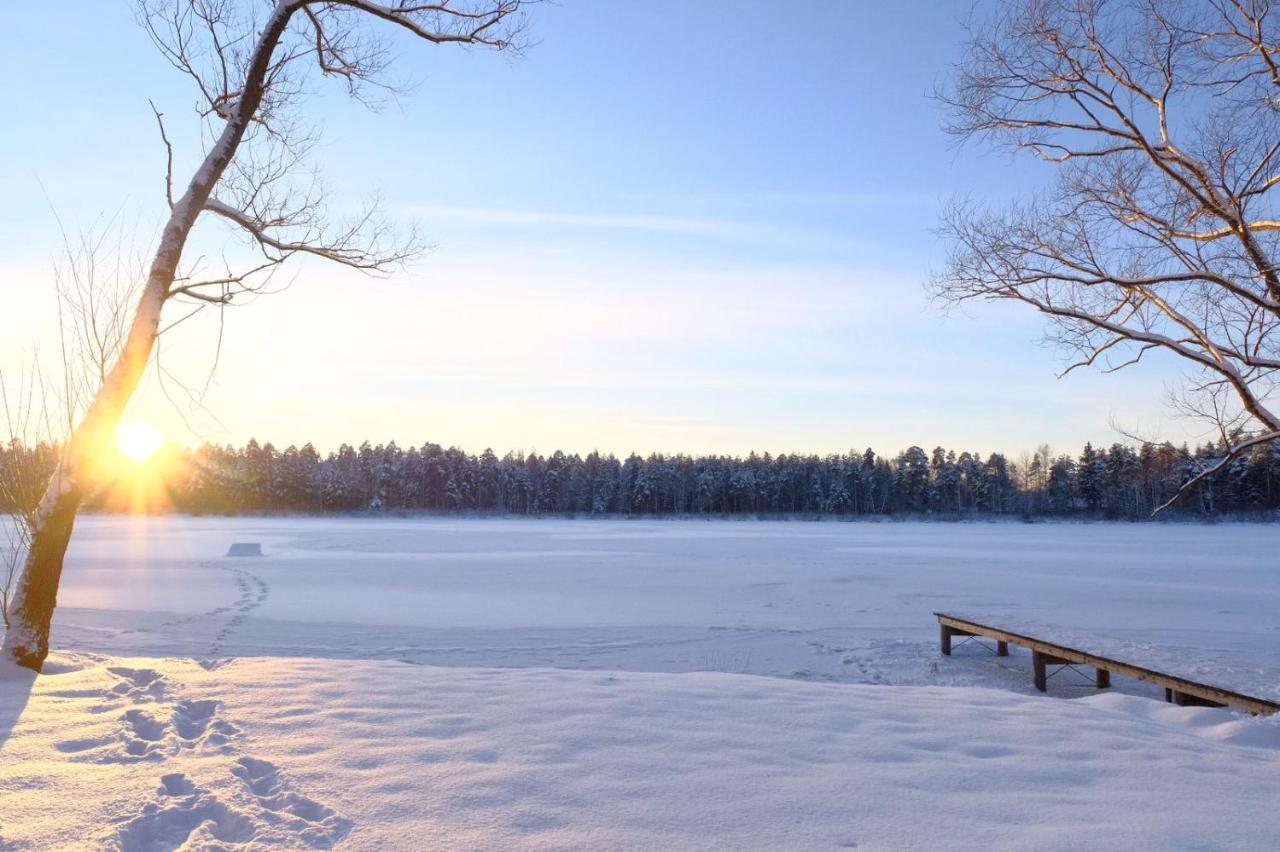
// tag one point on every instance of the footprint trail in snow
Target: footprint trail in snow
(253, 592)
(240, 800)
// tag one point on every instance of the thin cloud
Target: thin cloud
(706, 227)
(852, 200)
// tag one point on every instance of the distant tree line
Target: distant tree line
(1120, 482)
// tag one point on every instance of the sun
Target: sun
(138, 440)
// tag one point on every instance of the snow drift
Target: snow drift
(148, 753)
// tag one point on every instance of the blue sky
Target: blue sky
(670, 226)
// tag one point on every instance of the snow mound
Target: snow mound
(307, 753)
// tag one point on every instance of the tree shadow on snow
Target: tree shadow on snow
(16, 684)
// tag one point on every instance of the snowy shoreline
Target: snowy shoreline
(1170, 517)
(154, 753)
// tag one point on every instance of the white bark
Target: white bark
(27, 634)
(247, 94)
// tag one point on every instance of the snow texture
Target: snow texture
(465, 684)
(149, 754)
(827, 601)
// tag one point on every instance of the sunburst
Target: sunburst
(138, 440)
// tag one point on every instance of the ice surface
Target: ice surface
(830, 601)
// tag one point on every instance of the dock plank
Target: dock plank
(1177, 689)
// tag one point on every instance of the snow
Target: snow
(848, 602)
(378, 755)
(552, 684)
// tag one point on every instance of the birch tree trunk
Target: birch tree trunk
(35, 592)
(248, 91)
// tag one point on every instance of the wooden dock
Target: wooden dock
(1177, 690)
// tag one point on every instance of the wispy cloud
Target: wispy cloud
(693, 226)
(852, 200)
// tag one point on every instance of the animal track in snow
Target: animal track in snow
(194, 617)
(865, 664)
(191, 719)
(183, 816)
(268, 813)
(253, 803)
(153, 732)
(253, 591)
(140, 737)
(315, 824)
(138, 685)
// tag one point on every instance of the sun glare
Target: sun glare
(138, 440)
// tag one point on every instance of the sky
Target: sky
(668, 226)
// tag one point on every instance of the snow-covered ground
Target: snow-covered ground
(145, 754)
(596, 684)
(847, 602)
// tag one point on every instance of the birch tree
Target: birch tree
(95, 279)
(1159, 232)
(251, 64)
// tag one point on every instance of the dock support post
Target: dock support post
(1177, 690)
(1037, 667)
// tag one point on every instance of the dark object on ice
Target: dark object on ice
(1177, 690)
(245, 548)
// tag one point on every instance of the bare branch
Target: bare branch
(1229, 456)
(350, 246)
(250, 64)
(1161, 232)
(168, 148)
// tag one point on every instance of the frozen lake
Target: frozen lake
(848, 602)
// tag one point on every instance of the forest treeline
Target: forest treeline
(1119, 482)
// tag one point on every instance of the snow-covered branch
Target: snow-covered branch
(249, 63)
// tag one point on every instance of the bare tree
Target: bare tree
(95, 281)
(19, 479)
(1159, 232)
(251, 64)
